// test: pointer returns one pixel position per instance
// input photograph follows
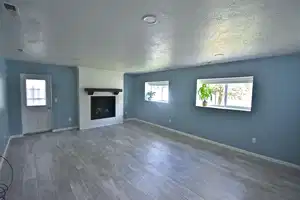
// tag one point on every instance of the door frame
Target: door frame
(48, 78)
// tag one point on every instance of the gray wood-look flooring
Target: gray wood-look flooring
(137, 161)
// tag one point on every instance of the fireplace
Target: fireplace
(103, 107)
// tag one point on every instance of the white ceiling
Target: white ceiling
(109, 34)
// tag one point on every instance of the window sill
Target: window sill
(226, 108)
(157, 101)
(38, 106)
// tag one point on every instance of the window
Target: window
(225, 93)
(35, 92)
(157, 91)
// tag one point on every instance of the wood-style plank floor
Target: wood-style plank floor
(137, 161)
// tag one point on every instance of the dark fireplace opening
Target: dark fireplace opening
(103, 107)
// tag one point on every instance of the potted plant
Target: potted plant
(205, 93)
(219, 89)
(150, 95)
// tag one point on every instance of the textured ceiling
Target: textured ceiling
(109, 34)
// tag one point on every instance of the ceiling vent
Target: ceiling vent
(11, 8)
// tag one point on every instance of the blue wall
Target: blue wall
(64, 87)
(128, 96)
(3, 107)
(274, 120)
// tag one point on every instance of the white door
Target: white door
(36, 103)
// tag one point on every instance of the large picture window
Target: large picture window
(225, 93)
(35, 92)
(157, 91)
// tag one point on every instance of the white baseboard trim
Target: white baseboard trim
(4, 154)
(21, 136)
(15, 136)
(5, 151)
(222, 145)
(102, 125)
(64, 129)
(6, 147)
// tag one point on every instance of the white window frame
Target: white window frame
(157, 83)
(226, 81)
(33, 98)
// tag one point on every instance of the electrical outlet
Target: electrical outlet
(170, 120)
(253, 140)
(55, 99)
(70, 119)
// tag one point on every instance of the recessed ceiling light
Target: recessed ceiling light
(149, 19)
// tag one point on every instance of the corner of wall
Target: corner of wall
(4, 131)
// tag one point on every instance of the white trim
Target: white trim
(223, 145)
(25, 108)
(225, 81)
(103, 125)
(64, 129)
(21, 136)
(244, 109)
(243, 79)
(15, 136)
(157, 101)
(4, 154)
(158, 83)
(131, 119)
(6, 147)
